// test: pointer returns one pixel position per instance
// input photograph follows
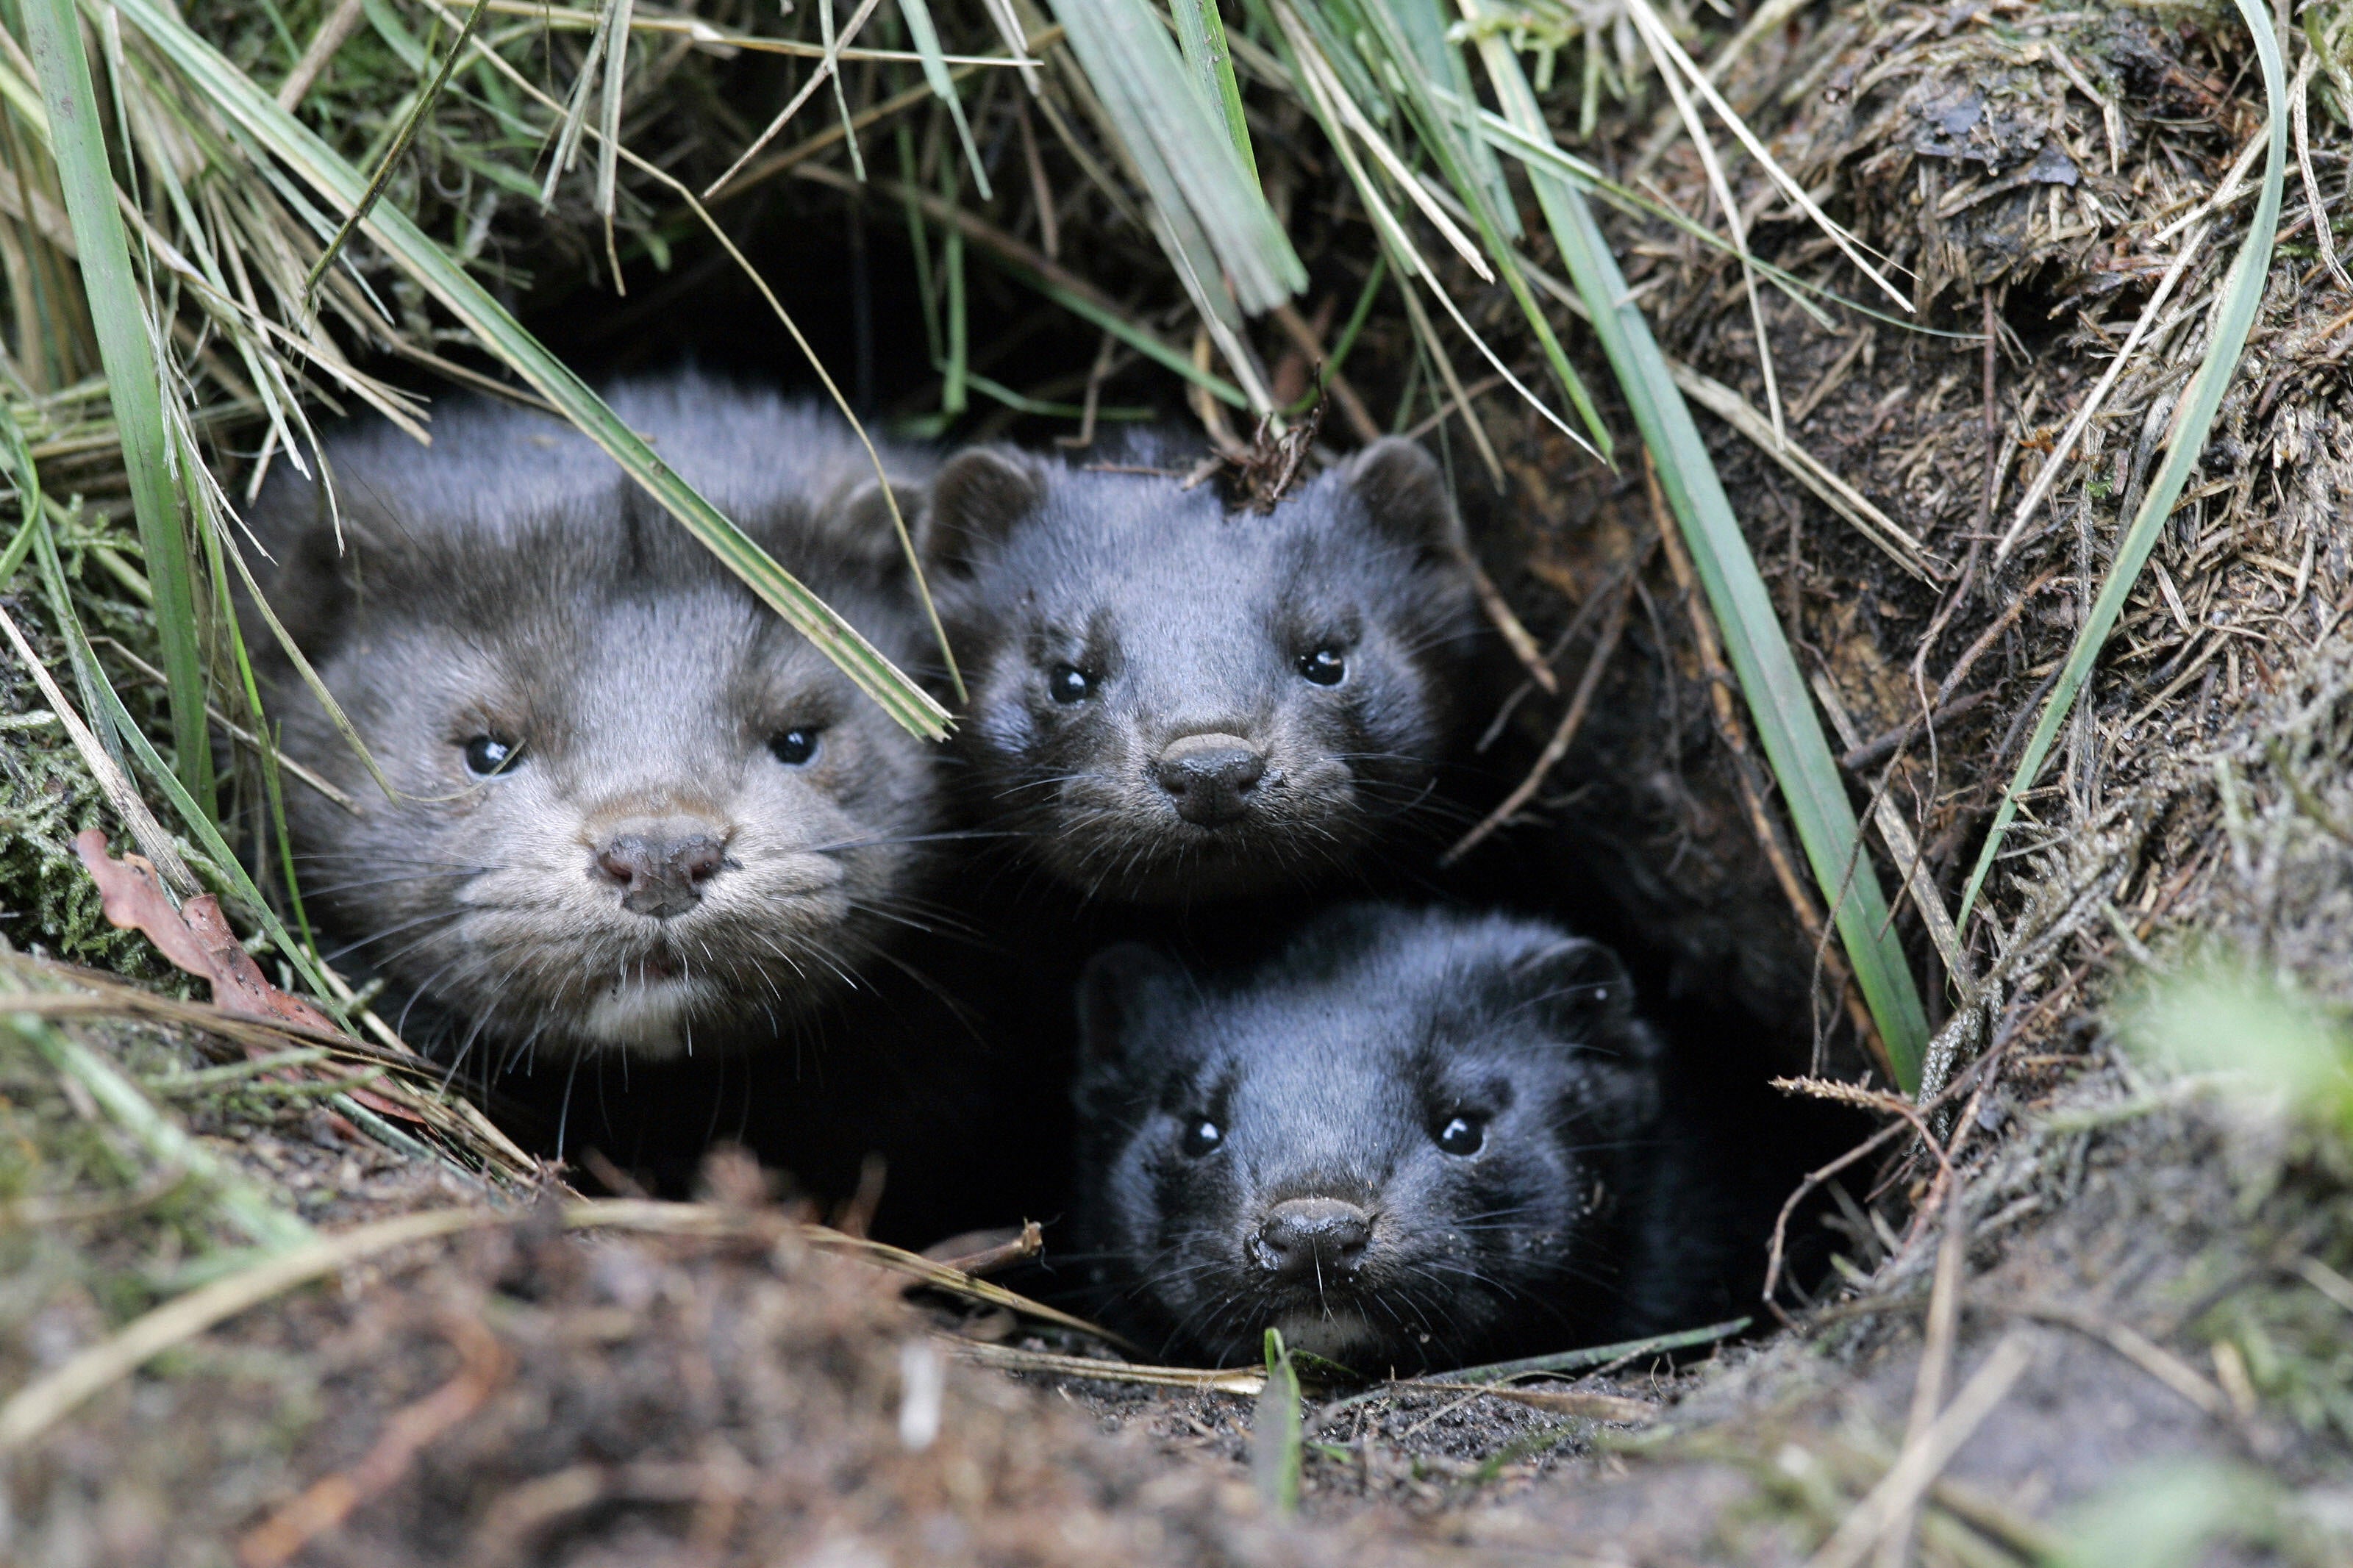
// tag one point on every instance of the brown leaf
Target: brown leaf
(196, 937)
(134, 900)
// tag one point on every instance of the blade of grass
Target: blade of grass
(827, 69)
(1202, 33)
(1177, 136)
(240, 1202)
(1440, 134)
(1034, 271)
(385, 169)
(286, 139)
(1669, 55)
(2234, 313)
(926, 39)
(1276, 1431)
(134, 384)
(1758, 651)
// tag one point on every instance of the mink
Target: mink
(1408, 1139)
(1171, 702)
(631, 809)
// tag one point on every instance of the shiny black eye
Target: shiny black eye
(1204, 1137)
(1068, 683)
(487, 756)
(1324, 667)
(1462, 1135)
(793, 748)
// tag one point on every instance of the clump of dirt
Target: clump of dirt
(523, 1396)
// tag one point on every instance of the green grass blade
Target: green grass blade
(1777, 699)
(1202, 33)
(1182, 147)
(134, 384)
(1276, 1431)
(280, 135)
(1439, 132)
(2241, 293)
(926, 39)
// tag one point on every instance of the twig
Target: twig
(1605, 643)
(1009, 1358)
(2133, 1346)
(2300, 116)
(1935, 1363)
(41, 1403)
(331, 37)
(390, 163)
(1297, 328)
(1809, 470)
(154, 842)
(1901, 846)
(326, 1503)
(1510, 628)
(1899, 1491)
(2077, 425)
(989, 1260)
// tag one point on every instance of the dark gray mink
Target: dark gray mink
(1170, 702)
(1409, 1139)
(636, 811)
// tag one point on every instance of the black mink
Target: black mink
(1409, 1139)
(1171, 702)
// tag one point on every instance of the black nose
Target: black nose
(1209, 777)
(1304, 1237)
(661, 866)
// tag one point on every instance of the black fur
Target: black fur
(1331, 1074)
(1189, 625)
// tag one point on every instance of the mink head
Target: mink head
(631, 809)
(1172, 702)
(1398, 1142)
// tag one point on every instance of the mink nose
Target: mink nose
(661, 866)
(1304, 1237)
(1209, 777)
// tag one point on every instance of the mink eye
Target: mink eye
(1462, 1135)
(487, 756)
(1067, 683)
(1324, 667)
(1204, 1137)
(794, 748)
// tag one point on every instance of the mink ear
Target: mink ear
(871, 534)
(1119, 990)
(979, 498)
(311, 575)
(1404, 493)
(1580, 988)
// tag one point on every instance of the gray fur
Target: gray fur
(1329, 1074)
(509, 580)
(1191, 622)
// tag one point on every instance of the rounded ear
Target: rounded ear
(1120, 988)
(869, 534)
(311, 572)
(1582, 990)
(979, 498)
(1404, 493)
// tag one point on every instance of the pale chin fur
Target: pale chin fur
(648, 1020)
(1331, 1335)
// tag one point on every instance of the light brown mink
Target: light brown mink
(634, 810)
